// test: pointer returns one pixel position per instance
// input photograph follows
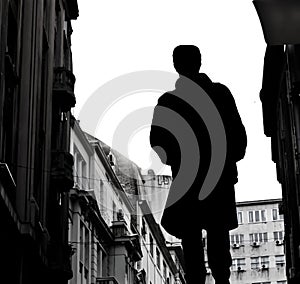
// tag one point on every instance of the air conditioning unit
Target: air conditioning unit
(279, 242)
(235, 246)
(255, 244)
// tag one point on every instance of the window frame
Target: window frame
(257, 216)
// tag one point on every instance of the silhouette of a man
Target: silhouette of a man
(186, 218)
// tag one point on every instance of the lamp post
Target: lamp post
(280, 20)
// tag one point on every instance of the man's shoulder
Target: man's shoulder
(220, 87)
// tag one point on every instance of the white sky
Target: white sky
(112, 38)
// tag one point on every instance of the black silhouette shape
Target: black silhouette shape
(216, 214)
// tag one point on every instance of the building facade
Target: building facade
(36, 95)
(106, 247)
(160, 263)
(111, 226)
(156, 190)
(257, 245)
(157, 261)
(281, 108)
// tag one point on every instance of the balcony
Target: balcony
(63, 88)
(72, 9)
(107, 280)
(62, 170)
(131, 242)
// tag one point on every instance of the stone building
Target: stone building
(161, 264)
(114, 234)
(257, 245)
(36, 95)
(105, 243)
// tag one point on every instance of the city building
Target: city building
(162, 264)
(156, 190)
(105, 244)
(257, 245)
(162, 260)
(281, 108)
(113, 234)
(36, 95)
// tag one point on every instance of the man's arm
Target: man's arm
(162, 140)
(237, 137)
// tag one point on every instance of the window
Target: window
(278, 236)
(237, 239)
(164, 270)
(257, 216)
(84, 179)
(263, 215)
(260, 262)
(81, 240)
(86, 253)
(279, 261)
(281, 282)
(275, 214)
(151, 244)
(250, 216)
(99, 261)
(240, 217)
(158, 258)
(84, 258)
(254, 262)
(144, 230)
(264, 261)
(258, 237)
(169, 280)
(238, 264)
(80, 170)
(114, 207)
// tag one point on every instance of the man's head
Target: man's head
(187, 59)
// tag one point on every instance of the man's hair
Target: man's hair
(187, 59)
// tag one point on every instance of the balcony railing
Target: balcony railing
(107, 280)
(63, 88)
(62, 170)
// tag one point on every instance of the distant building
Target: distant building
(257, 245)
(105, 244)
(155, 191)
(113, 234)
(162, 264)
(159, 264)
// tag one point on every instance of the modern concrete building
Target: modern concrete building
(36, 95)
(257, 245)
(156, 190)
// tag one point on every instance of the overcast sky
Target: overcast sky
(113, 38)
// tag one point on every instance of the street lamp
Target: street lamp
(280, 20)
